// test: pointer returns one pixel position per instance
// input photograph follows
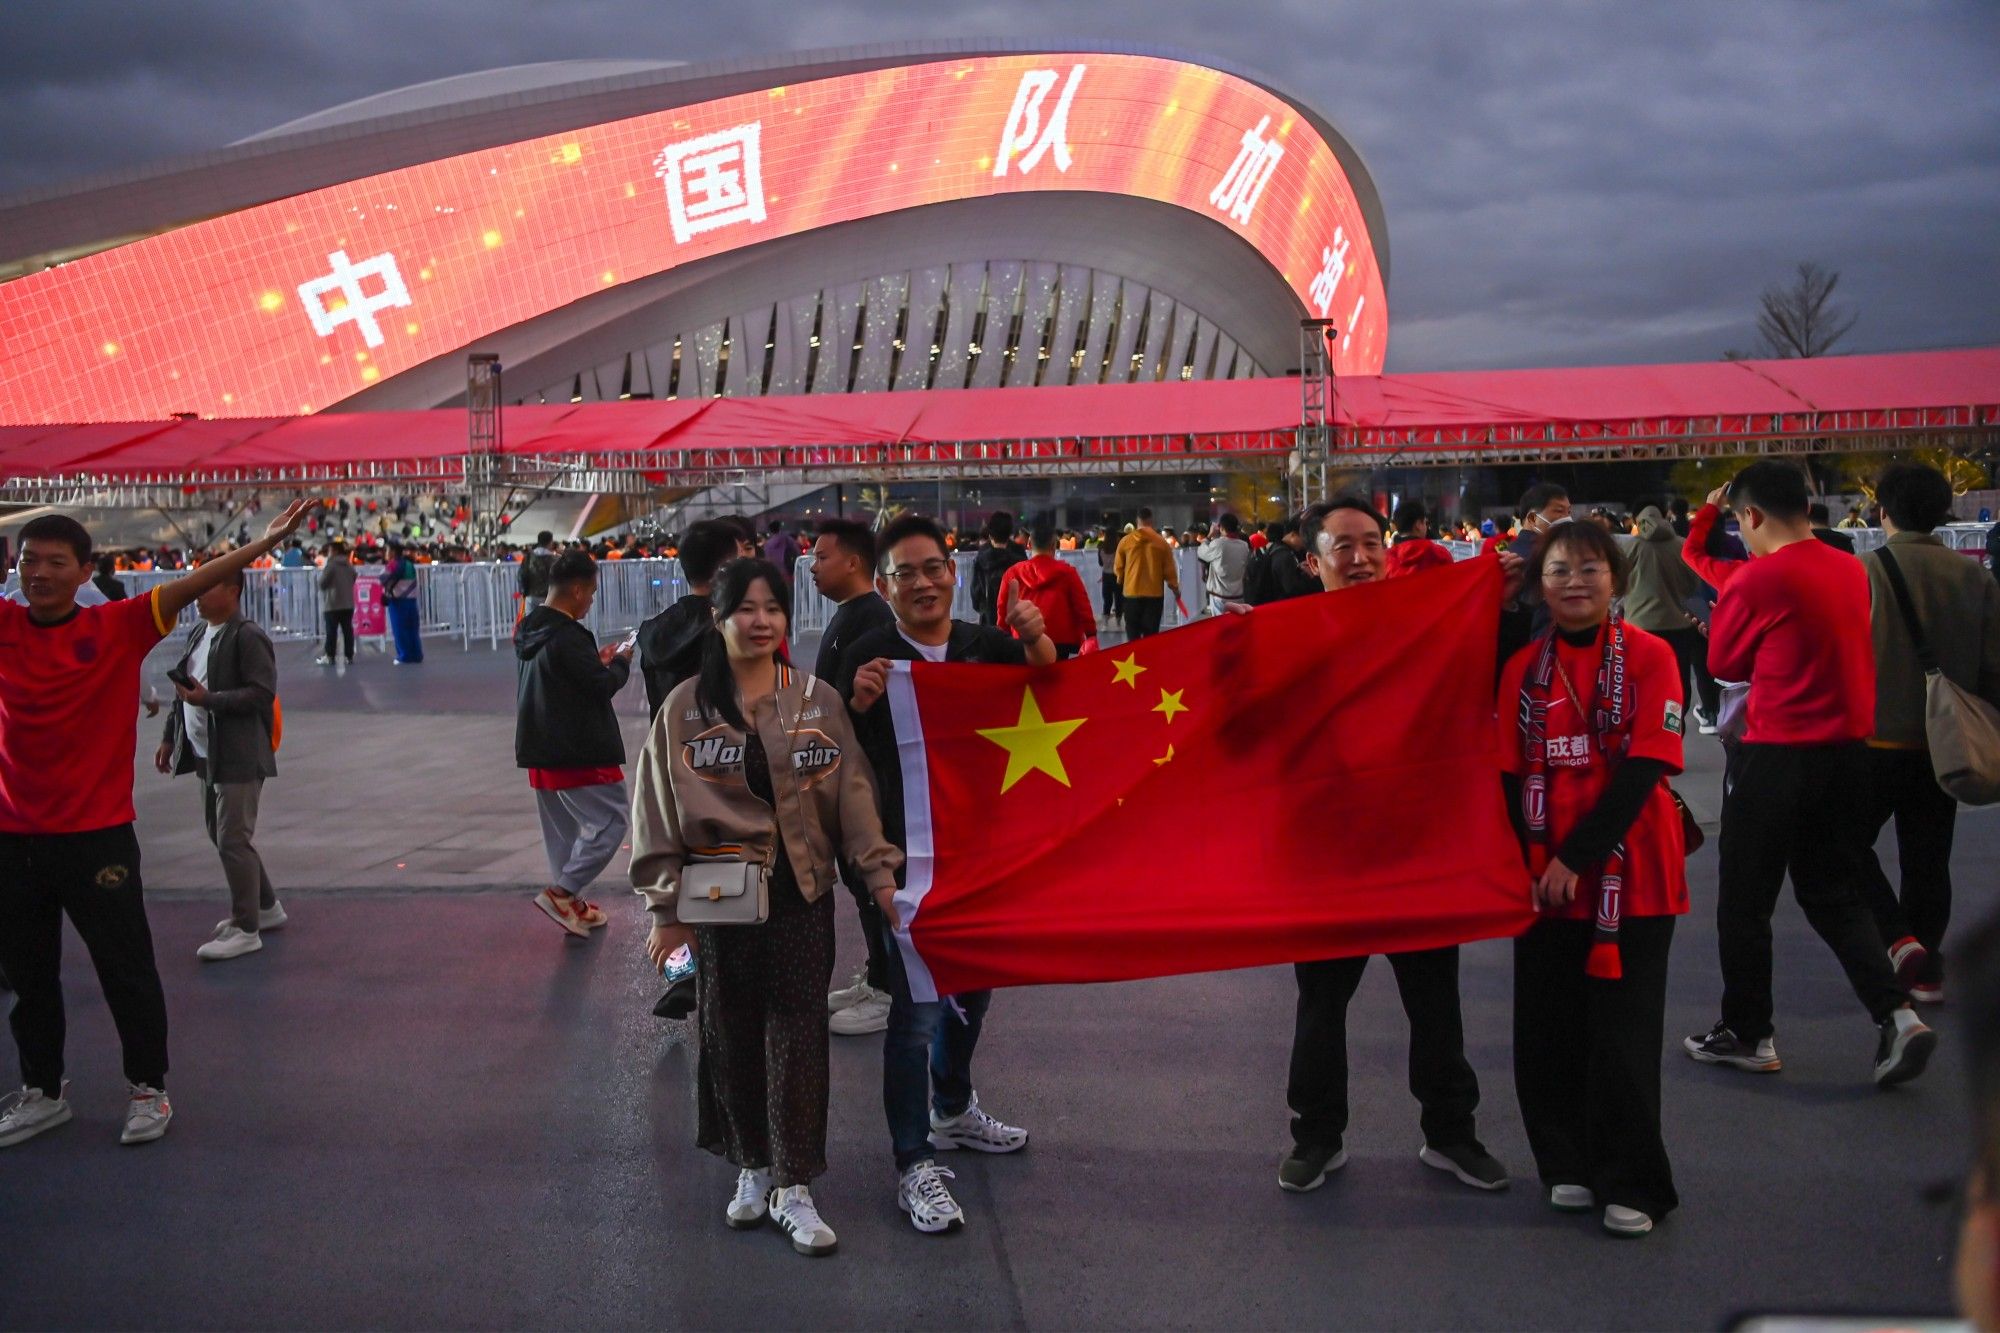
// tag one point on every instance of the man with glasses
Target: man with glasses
(927, 1058)
(1345, 549)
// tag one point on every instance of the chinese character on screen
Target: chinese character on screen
(1026, 133)
(714, 181)
(1243, 185)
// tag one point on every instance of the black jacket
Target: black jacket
(242, 693)
(854, 618)
(563, 716)
(670, 646)
(988, 568)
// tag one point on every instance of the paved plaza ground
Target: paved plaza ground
(421, 1106)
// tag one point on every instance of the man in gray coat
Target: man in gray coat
(1656, 600)
(1958, 609)
(336, 601)
(222, 729)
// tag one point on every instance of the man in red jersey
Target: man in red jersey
(1794, 622)
(69, 688)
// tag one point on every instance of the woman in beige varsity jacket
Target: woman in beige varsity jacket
(753, 759)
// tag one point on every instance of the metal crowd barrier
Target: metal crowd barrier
(472, 603)
(480, 603)
(811, 612)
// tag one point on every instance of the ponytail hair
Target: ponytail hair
(715, 684)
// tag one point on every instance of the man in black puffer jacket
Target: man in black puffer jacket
(566, 735)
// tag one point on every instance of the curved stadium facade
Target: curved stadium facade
(912, 217)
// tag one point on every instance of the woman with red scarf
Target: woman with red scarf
(1591, 722)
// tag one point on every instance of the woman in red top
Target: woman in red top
(1590, 723)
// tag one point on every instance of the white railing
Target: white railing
(480, 603)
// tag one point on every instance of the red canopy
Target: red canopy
(1404, 416)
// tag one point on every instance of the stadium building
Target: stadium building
(921, 216)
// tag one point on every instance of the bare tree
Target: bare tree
(1800, 319)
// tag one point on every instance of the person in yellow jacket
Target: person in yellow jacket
(1144, 568)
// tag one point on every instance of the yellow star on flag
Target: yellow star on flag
(1170, 703)
(1166, 758)
(1032, 743)
(1128, 671)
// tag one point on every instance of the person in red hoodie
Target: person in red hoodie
(1413, 550)
(1056, 590)
(1794, 622)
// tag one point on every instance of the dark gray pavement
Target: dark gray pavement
(422, 1109)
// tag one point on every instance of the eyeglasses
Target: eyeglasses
(1590, 573)
(931, 571)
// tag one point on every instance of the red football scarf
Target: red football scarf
(1611, 732)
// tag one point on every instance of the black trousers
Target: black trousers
(761, 1083)
(342, 624)
(1440, 1076)
(1803, 809)
(1902, 785)
(1690, 647)
(873, 929)
(1113, 593)
(1142, 616)
(94, 877)
(1587, 1061)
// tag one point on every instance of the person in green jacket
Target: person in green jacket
(1958, 606)
(1656, 600)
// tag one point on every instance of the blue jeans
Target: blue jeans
(926, 1058)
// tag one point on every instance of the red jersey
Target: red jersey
(563, 779)
(1655, 855)
(1413, 554)
(69, 714)
(1057, 593)
(1794, 624)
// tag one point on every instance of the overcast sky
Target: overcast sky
(1566, 184)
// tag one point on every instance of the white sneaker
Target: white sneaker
(792, 1209)
(973, 1128)
(31, 1112)
(147, 1115)
(922, 1194)
(848, 995)
(229, 942)
(322, 660)
(268, 918)
(1626, 1221)
(862, 1017)
(752, 1201)
(1571, 1198)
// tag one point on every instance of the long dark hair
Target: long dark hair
(715, 686)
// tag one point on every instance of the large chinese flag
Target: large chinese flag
(1312, 780)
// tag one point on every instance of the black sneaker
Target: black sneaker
(1902, 1052)
(1306, 1168)
(1470, 1162)
(1720, 1046)
(678, 1002)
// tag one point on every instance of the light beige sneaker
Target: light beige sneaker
(229, 942)
(147, 1115)
(31, 1111)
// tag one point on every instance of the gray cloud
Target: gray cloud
(1566, 183)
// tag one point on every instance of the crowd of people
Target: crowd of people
(761, 787)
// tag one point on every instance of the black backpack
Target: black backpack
(1257, 588)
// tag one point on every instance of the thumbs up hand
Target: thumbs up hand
(1023, 617)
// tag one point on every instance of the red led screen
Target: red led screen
(294, 305)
